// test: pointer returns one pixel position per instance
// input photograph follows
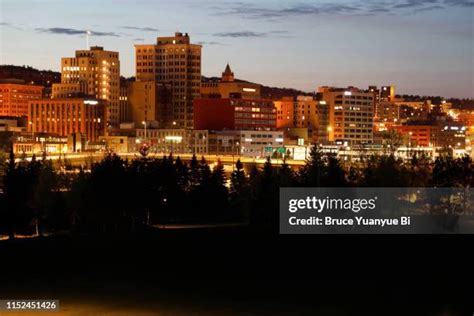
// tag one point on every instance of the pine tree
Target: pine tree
(313, 173)
(285, 174)
(10, 185)
(336, 176)
(194, 173)
(238, 180)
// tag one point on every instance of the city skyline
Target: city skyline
(300, 46)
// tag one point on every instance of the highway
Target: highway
(85, 159)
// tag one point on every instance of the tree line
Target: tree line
(119, 195)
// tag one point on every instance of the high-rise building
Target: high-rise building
(285, 109)
(303, 112)
(176, 61)
(150, 103)
(351, 114)
(14, 98)
(94, 73)
(123, 101)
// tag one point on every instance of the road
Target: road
(78, 159)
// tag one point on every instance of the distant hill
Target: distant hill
(30, 75)
(271, 93)
(47, 78)
(456, 102)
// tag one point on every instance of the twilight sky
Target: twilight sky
(420, 46)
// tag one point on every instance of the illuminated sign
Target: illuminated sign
(347, 93)
(91, 102)
(174, 138)
(299, 153)
(249, 90)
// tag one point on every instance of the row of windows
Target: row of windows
(353, 102)
(163, 53)
(23, 91)
(249, 115)
(170, 63)
(356, 97)
(357, 131)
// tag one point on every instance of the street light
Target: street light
(409, 143)
(32, 131)
(233, 152)
(144, 123)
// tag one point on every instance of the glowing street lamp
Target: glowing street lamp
(32, 130)
(144, 124)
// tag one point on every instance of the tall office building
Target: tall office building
(93, 73)
(176, 61)
(303, 112)
(149, 102)
(351, 114)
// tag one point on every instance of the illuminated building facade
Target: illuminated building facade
(228, 87)
(387, 93)
(303, 112)
(150, 102)
(94, 73)
(64, 117)
(234, 114)
(351, 115)
(176, 141)
(176, 61)
(14, 98)
(417, 135)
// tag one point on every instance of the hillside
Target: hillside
(30, 75)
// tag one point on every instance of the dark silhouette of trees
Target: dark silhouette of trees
(384, 171)
(451, 172)
(322, 171)
(239, 192)
(117, 195)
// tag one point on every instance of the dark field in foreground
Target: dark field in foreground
(232, 271)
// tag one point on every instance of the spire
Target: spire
(227, 75)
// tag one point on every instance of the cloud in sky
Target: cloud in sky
(10, 25)
(462, 3)
(144, 29)
(435, 7)
(353, 7)
(210, 43)
(71, 31)
(246, 34)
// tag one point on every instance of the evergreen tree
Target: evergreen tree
(238, 179)
(312, 174)
(194, 173)
(239, 191)
(285, 175)
(182, 174)
(335, 174)
(11, 182)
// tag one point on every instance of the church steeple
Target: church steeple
(227, 75)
